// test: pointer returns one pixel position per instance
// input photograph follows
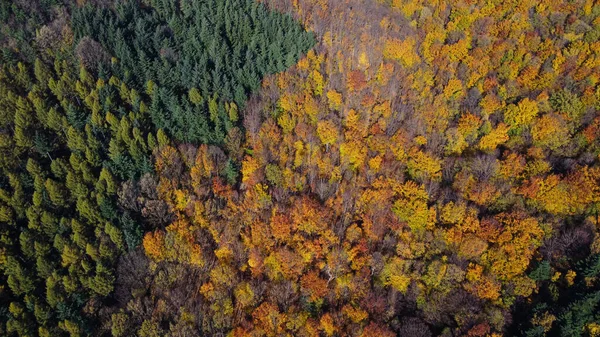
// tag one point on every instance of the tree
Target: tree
(497, 136)
(401, 51)
(327, 132)
(522, 114)
(550, 132)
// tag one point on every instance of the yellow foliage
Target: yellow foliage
(550, 131)
(545, 320)
(472, 247)
(262, 195)
(299, 154)
(481, 285)
(327, 132)
(408, 8)
(196, 256)
(558, 62)
(249, 166)
(514, 246)
(71, 327)
(523, 286)
(454, 89)
(311, 109)
(399, 152)
(224, 253)
(551, 194)
(393, 274)
(497, 136)
(402, 51)
(303, 64)
(490, 104)
(327, 324)
(474, 272)
(420, 140)
(522, 114)
(384, 109)
(287, 122)
(69, 256)
(456, 142)
(244, 296)
(356, 315)
(384, 23)
(458, 51)
(335, 99)
(468, 125)
(318, 82)
(181, 200)
(453, 213)
(556, 276)
(375, 163)
(336, 175)
(351, 122)
(411, 207)
(286, 102)
(363, 60)
(570, 277)
(436, 272)
(315, 60)
(593, 329)
(353, 154)
(384, 73)
(423, 166)
(435, 35)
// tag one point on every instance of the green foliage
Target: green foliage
(568, 103)
(71, 133)
(132, 232)
(579, 314)
(231, 172)
(200, 49)
(543, 272)
(61, 205)
(273, 174)
(573, 306)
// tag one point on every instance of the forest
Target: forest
(319, 168)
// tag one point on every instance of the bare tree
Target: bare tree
(91, 53)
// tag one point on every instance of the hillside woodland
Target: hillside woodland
(307, 168)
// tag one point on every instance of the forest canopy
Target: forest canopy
(194, 57)
(81, 113)
(299, 168)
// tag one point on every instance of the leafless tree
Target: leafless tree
(91, 53)
(413, 326)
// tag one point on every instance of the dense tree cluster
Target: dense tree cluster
(73, 128)
(66, 141)
(20, 19)
(190, 168)
(217, 51)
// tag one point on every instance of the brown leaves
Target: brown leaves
(356, 81)
(313, 286)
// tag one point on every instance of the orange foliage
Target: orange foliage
(356, 81)
(154, 244)
(377, 165)
(314, 286)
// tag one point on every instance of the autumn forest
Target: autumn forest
(312, 168)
